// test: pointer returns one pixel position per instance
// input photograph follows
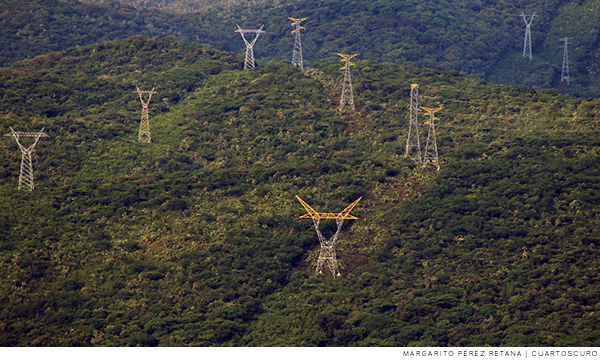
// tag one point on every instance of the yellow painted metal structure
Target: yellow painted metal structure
(297, 22)
(313, 214)
(346, 59)
(428, 112)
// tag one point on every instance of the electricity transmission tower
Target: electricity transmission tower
(327, 254)
(26, 175)
(144, 134)
(347, 97)
(413, 147)
(431, 152)
(564, 75)
(249, 62)
(527, 43)
(297, 54)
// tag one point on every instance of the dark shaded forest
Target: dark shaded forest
(478, 38)
(195, 239)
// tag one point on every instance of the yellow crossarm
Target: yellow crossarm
(296, 21)
(313, 214)
(345, 214)
(428, 110)
(346, 58)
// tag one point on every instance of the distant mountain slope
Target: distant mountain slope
(180, 6)
(478, 38)
(195, 239)
(31, 28)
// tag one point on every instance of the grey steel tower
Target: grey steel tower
(413, 147)
(527, 42)
(564, 75)
(431, 152)
(26, 175)
(249, 61)
(297, 54)
(144, 134)
(347, 97)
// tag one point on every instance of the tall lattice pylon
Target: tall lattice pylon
(297, 54)
(431, 152)
(347, 98)
(564, 75)
(327, 254)
(527, 42)
(249, 62)
(144, 135)
(26, 175)
(413, 147)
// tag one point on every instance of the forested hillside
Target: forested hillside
(195, 239)
(479, 38)
(31, 28)
(181, 6)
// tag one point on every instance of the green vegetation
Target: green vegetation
(475, 37)
(195, 239)
(179, 6)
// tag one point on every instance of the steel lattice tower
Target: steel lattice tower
(144, 134)
(347, 97)
(297, 54)
(413, 147)
(26, 175)
(431, 152)
(327, 254)
(527, 42)
(249, 61)
(564, 75)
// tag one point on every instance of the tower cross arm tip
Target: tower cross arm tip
(345, 214)
(313, 214)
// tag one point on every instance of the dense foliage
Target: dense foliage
(181, 6)
(481, 38)
(31, 28)
(195, 239)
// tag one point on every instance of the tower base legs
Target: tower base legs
(327, 254)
